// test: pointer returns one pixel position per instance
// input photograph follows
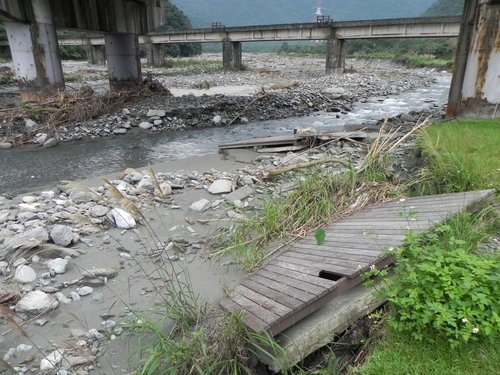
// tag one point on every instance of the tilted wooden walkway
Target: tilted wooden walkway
(307, 275)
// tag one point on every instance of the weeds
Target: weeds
(453, 164)
(441, 287)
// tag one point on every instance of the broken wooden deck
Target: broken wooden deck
(307, 275)
(294, 140)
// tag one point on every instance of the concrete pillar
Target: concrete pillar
(124, 65)
(335, 56)
(95, 55)
(154, 54)
(231, 55)
(475, 87)
(35, 54)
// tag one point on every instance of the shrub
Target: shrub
(441, 288)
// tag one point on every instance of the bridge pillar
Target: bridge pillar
(35, 54)
(335, 56)
(231, 56)
(154, 54)
(124, 65)
(96, 55)
(475, 86)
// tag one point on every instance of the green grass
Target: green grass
(190, 66)
(411, 60)
(400, 354)
(7, 79)
(460, 155)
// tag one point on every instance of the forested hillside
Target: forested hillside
(445, 8)
(243, 12)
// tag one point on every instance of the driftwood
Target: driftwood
(280, 170)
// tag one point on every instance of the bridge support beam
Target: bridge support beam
(231, 56)
(35, 54)
(335, 56)
(154, 54)
(475, 84)
(124, 66)
(96, 55)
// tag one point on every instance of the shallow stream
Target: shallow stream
(27, 169)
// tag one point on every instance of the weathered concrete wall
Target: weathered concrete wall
(482, 74)
(475, 87)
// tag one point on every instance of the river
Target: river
(28, 169)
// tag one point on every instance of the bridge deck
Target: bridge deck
(307, 275)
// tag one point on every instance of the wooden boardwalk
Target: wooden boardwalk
(304, 277)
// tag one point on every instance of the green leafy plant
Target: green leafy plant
(442, 287)
(320, 236)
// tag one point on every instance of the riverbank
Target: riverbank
(282, 87)
(59, 245)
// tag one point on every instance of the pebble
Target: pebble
(61, 235)
(200, 205)
(24, 274)
(85, 290)
(220, 187)
(36, 302)
(58, 265)
(145, 125)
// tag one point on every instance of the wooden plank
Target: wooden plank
(263, 300)
(343, 247)
(336, 255)
(290, 296)
(298, 147)
(299, 284)
(251, 320)
(312, 271)
(247, 304)
(315, 280)
(348, 265)
(341, 270)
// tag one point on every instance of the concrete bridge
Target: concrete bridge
(34, 45)
(31, 31)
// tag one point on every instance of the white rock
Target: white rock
(220, 187)
(84, 290)
(4, 215)
(125, 111)
(146, 184)
(99, 210)
(63, 299)
(217, 119)
(61, 235)
(119, 131)
(75, 296)
(122, 219)
(145, 125)
(36, 302)
(29, 199)
(58, 265)
(25, 274)
(158, 122)
(23, 348)
(51, 361)
(29, 123)
(48, 194)
(5, 145)
(51, 142)
(156, 113)
(41, 138)
(26, 207)
(200, 206)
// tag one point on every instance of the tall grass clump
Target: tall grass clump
(460, 155)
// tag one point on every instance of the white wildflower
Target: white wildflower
(464, 320)
(372, 267)
(475, 330)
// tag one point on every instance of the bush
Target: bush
(442, 288)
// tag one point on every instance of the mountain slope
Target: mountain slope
(243, 12)
(445, 8)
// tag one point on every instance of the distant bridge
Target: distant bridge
(232, 37)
